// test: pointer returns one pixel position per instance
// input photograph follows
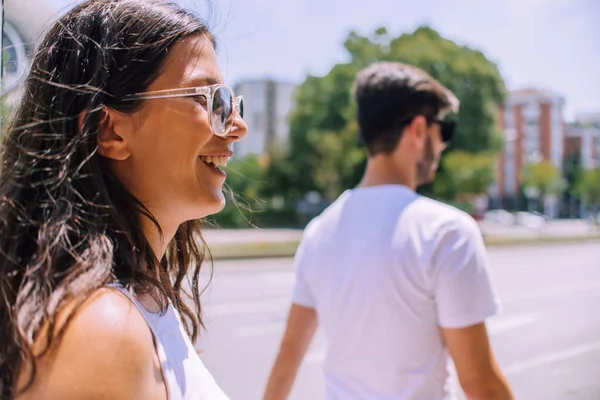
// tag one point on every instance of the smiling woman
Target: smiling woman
(102, 184)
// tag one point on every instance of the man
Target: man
(395, 280)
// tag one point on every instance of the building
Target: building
(583, 140)
(267, 106)
(582, 149)
(534, 130)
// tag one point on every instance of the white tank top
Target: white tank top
(185, 377)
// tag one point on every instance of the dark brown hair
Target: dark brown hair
(67, 225)
(389, 95)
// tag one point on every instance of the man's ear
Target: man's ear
(114, 133)
(417, 130)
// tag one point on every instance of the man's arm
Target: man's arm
(478, 372)
(301, 326)
(465, 297)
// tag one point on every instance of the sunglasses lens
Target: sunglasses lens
(221, 111)
(241, 107)
(447, 131)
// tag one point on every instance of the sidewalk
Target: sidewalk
(255, 242)
(250, 235)
(553, 228)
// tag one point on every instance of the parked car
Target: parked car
(501, 217)
(531, 220)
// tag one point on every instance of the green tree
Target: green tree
(589, 190)
(573, 173)
(474, 79)
(324, 152)
(465, 175)
(324, 145)
(5, 115)
(243, 186)
(545, 177)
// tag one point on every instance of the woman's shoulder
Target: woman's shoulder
(111, 319)
(106, 348)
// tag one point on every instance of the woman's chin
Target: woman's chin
(212, 204)
(221, 204)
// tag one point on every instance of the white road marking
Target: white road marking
(506, 323)
(535, 362)
(273, 304)
(281, 303)
(541, 294)
(272, 328)
(496, 326)
(277, 278)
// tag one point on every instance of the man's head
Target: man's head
(400, 116)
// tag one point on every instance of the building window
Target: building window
(532, 131)
(531, 147)
(531, 114)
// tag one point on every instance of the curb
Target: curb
(237, 251)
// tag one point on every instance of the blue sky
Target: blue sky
(552, 44)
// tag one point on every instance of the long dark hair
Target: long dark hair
(67, 226)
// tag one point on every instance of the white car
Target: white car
(501, 217)
(531, 220)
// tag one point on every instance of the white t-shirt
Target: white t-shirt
(384, 268)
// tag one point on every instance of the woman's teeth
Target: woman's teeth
(215, 160)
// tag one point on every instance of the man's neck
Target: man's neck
(382, 170)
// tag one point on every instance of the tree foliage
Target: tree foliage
(545, 177)
(324, 154)
(244, 184)
(573, 172)
(589, 187)
(465, 174)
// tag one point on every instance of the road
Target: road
(547, 339)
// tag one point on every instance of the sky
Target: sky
(548, 44)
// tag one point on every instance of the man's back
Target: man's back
(395, 280)
(384, 268)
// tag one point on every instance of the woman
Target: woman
(111, 159)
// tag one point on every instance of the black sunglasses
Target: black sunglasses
(447, 127)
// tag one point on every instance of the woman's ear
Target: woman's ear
(114, 133)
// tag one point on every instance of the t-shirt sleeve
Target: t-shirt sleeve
(463, 288)
(302, 294)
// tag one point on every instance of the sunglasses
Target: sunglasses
(220, 101)
(447, 127)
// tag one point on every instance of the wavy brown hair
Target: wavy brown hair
(67, 225)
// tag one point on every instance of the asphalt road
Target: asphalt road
(547, 340)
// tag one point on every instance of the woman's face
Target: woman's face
(165, 144)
